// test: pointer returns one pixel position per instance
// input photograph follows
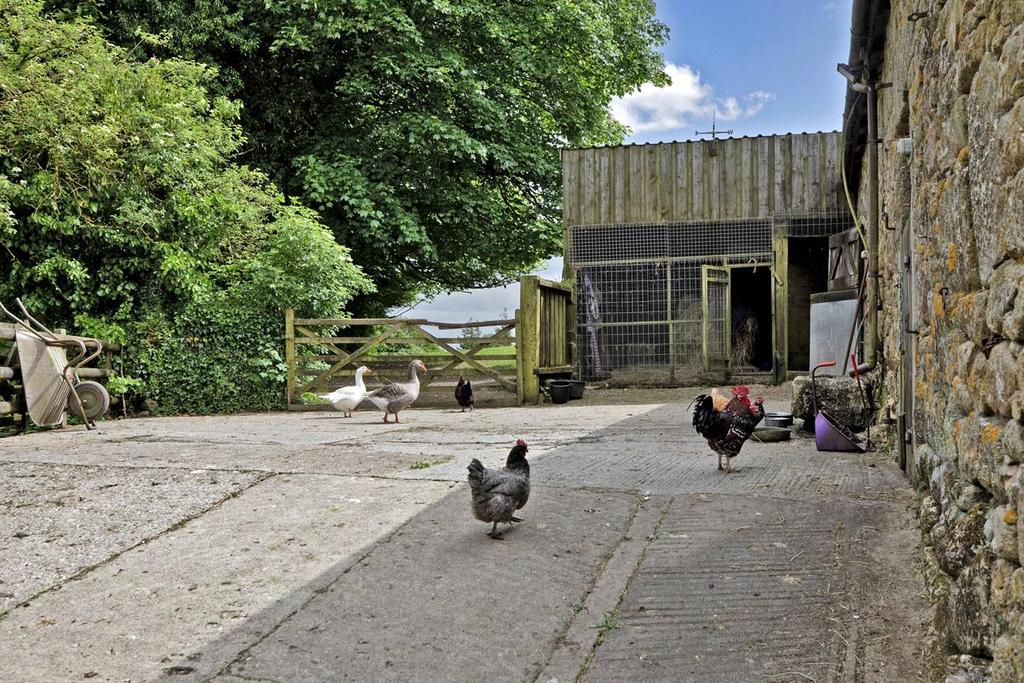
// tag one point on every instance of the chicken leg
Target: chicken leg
(495, 534)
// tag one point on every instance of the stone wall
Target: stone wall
(958, 92)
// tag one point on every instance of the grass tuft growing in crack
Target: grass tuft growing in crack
(610, 622)
(424, 464)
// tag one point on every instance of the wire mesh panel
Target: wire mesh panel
(623, 293)
(641, 295)
(641, 351)
(816, 225)
(594, 244)
(715, 314)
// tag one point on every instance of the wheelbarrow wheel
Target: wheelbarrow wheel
(95, 400)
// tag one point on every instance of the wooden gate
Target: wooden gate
(546, 340)
(323, 354)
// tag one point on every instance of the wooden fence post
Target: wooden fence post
(528, 339)
(289, 353)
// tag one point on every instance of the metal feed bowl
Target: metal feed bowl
(770, 434)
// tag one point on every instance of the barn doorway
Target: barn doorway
(750, 293)
(738, 320)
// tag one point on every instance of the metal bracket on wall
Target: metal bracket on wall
(917, 16)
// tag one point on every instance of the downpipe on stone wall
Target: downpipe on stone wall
(870, 359)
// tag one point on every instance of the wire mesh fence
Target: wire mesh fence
(648, 310)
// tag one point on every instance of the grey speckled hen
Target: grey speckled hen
(398, 395)
(497, 494)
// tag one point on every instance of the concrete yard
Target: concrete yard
(308, 547)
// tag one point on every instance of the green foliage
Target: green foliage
(121, 210)
(411, 350)
(120, 385)
(425, 132)
(210, 358)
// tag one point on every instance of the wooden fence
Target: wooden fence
(320, 359)
(546, 341)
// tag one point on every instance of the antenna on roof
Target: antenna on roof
(714, 132)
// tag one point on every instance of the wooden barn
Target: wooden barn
(696, 260)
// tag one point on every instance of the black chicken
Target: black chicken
(497, 494)
(729, 428)
(464, 394)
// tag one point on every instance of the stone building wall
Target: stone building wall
(958, 92)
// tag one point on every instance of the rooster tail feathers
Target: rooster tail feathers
(703, 413)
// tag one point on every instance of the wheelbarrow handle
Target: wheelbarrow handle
(814, 388)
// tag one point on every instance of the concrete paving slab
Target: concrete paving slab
(58, 520)
(658, 452)
(576, 645)
(396, 595)
(440, 601)
(737, 589)
(225, 578)
(318, 442)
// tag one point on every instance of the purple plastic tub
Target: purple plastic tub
(829, 435)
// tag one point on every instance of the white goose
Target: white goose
(346, 399)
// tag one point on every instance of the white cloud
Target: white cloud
(755, 101)
(653, 109)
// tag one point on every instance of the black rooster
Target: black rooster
(464, 394)
(497, 494)
(728, 428)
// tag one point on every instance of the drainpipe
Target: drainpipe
(873, 302)
(861, 25)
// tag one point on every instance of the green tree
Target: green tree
(122, 213)
(425, 132)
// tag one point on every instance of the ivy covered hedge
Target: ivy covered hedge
(125, 214)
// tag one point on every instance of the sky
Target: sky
(757, 67)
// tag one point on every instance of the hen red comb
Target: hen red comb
(740, 390)
(520, 442)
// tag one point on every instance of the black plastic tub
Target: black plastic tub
(560, 389)
(576, 389)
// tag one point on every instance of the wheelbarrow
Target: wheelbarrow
(50, 377)
(829, 433)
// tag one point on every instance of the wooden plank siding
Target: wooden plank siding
(546, 334)
(732, 178)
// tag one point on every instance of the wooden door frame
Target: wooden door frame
(705, 280)
(729, 267)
